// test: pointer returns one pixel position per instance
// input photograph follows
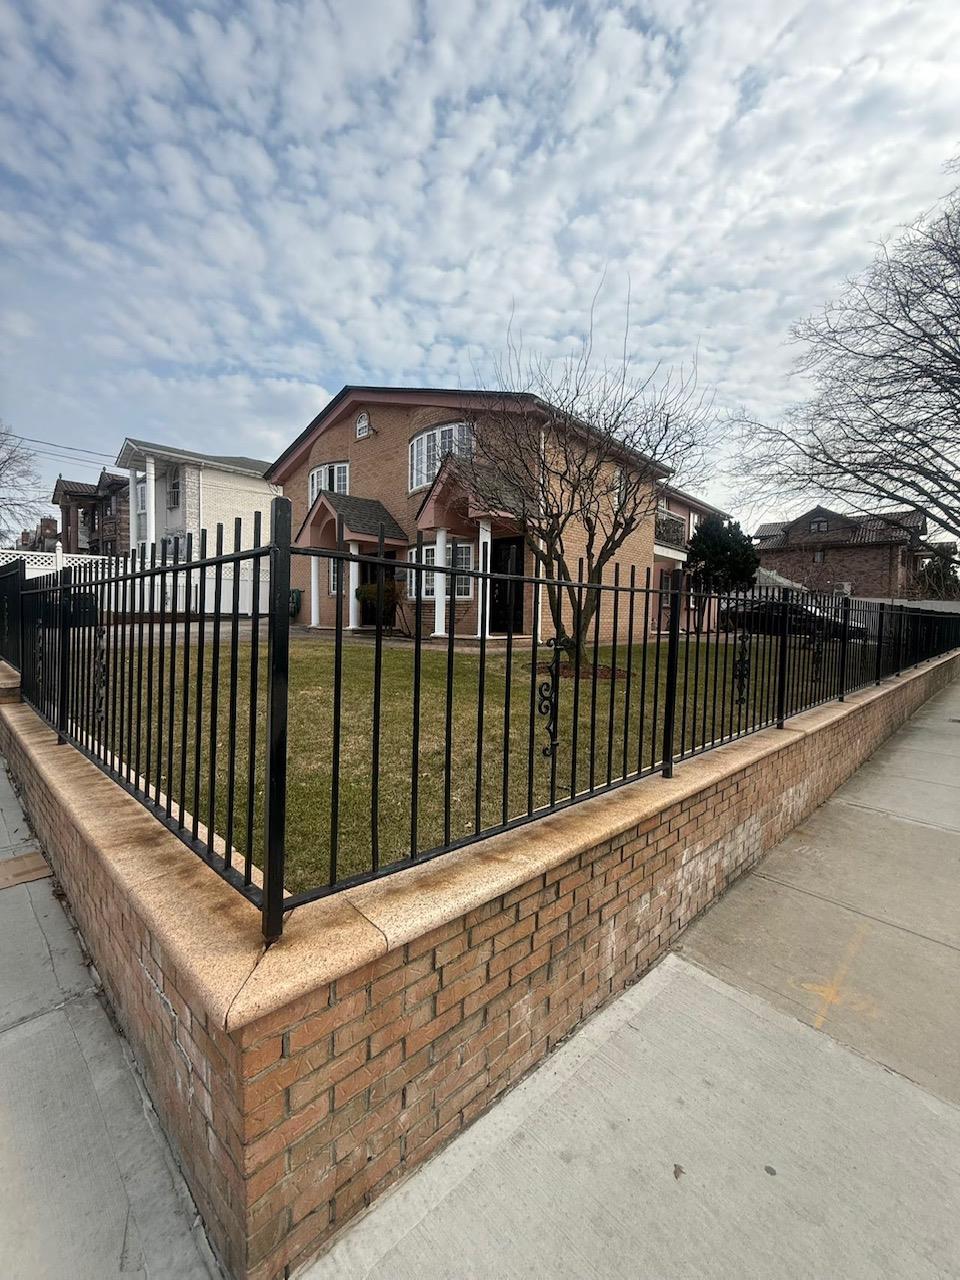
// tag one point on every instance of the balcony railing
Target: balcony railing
(670, 531)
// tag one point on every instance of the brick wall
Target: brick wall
(297, 1084)
(870, 571)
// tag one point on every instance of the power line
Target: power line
(72, 448)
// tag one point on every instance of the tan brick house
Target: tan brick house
(374, 455)
(865, 555)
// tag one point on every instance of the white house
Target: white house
(175, 491)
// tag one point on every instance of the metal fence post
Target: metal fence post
(785, 598)
(844, 640)
(278, 668)
(673, 658)
(63, 662)
(881, 612)
(899, 662)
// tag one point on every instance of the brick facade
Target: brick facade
(297, 1084)
(379, 469)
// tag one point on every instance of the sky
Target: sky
(213, 216)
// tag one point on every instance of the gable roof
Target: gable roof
(697, 503)
(132, 450)
(442, 397)
(360, 515)
(871, 529)
(107, 482)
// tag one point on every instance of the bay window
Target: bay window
(429, 448)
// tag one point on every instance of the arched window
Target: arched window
(332, 477)
(430, 447)
(173, 490)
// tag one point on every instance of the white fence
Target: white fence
(39, 563)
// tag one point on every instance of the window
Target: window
(818, 557)
(332, 477)
(335, 575)
(429, 449)
(464, 560)
(141, 496)
(173, 490)
(363, 426)
(818, 526)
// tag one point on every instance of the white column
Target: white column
(354, 549)
(483, 622)
(439, 586)
(133, 508)
(315, 591)
(151, 471)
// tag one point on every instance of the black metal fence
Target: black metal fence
(296, 765)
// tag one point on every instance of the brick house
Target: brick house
(374, 455)
(865, 555)
(94, 518)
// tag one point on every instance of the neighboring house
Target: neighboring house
(173, 492)
(678, 515)
(375, 456)
(94, 518)
(864, 555)
(41, 538)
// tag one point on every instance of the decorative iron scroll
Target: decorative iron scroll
(547, 699)
(816, 662)
(100, 674)
(741, 668)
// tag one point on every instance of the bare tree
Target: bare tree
(18, 484)
(882, 428)
(573, 451)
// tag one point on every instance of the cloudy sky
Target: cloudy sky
(214, 215)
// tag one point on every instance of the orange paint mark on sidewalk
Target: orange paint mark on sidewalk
(831, 993)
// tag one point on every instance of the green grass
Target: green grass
(628, 714)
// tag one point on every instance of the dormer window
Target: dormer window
(818, 526)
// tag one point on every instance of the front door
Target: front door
(502, 592)
(368, 597)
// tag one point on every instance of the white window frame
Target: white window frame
(141, 495)
(363, 426)
(428, 449)
(334, 573)
(466, 559)
(173, 490)
(334, 472)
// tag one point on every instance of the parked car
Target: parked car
(763, 616)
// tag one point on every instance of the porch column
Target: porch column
(439, 582)
(132, 490)
(354, 549)
(483, 621)
(314, 591)
(151, 472)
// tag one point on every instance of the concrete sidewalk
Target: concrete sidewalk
(777, 1101)
(88, 1187)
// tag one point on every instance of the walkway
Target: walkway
(779, 1099)
(88, 1189)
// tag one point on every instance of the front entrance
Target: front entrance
(501, 592)
(368, 594)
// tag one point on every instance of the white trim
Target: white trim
(429, 558)
(669, 553)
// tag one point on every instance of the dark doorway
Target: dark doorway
(500, 552)
(368, 594)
